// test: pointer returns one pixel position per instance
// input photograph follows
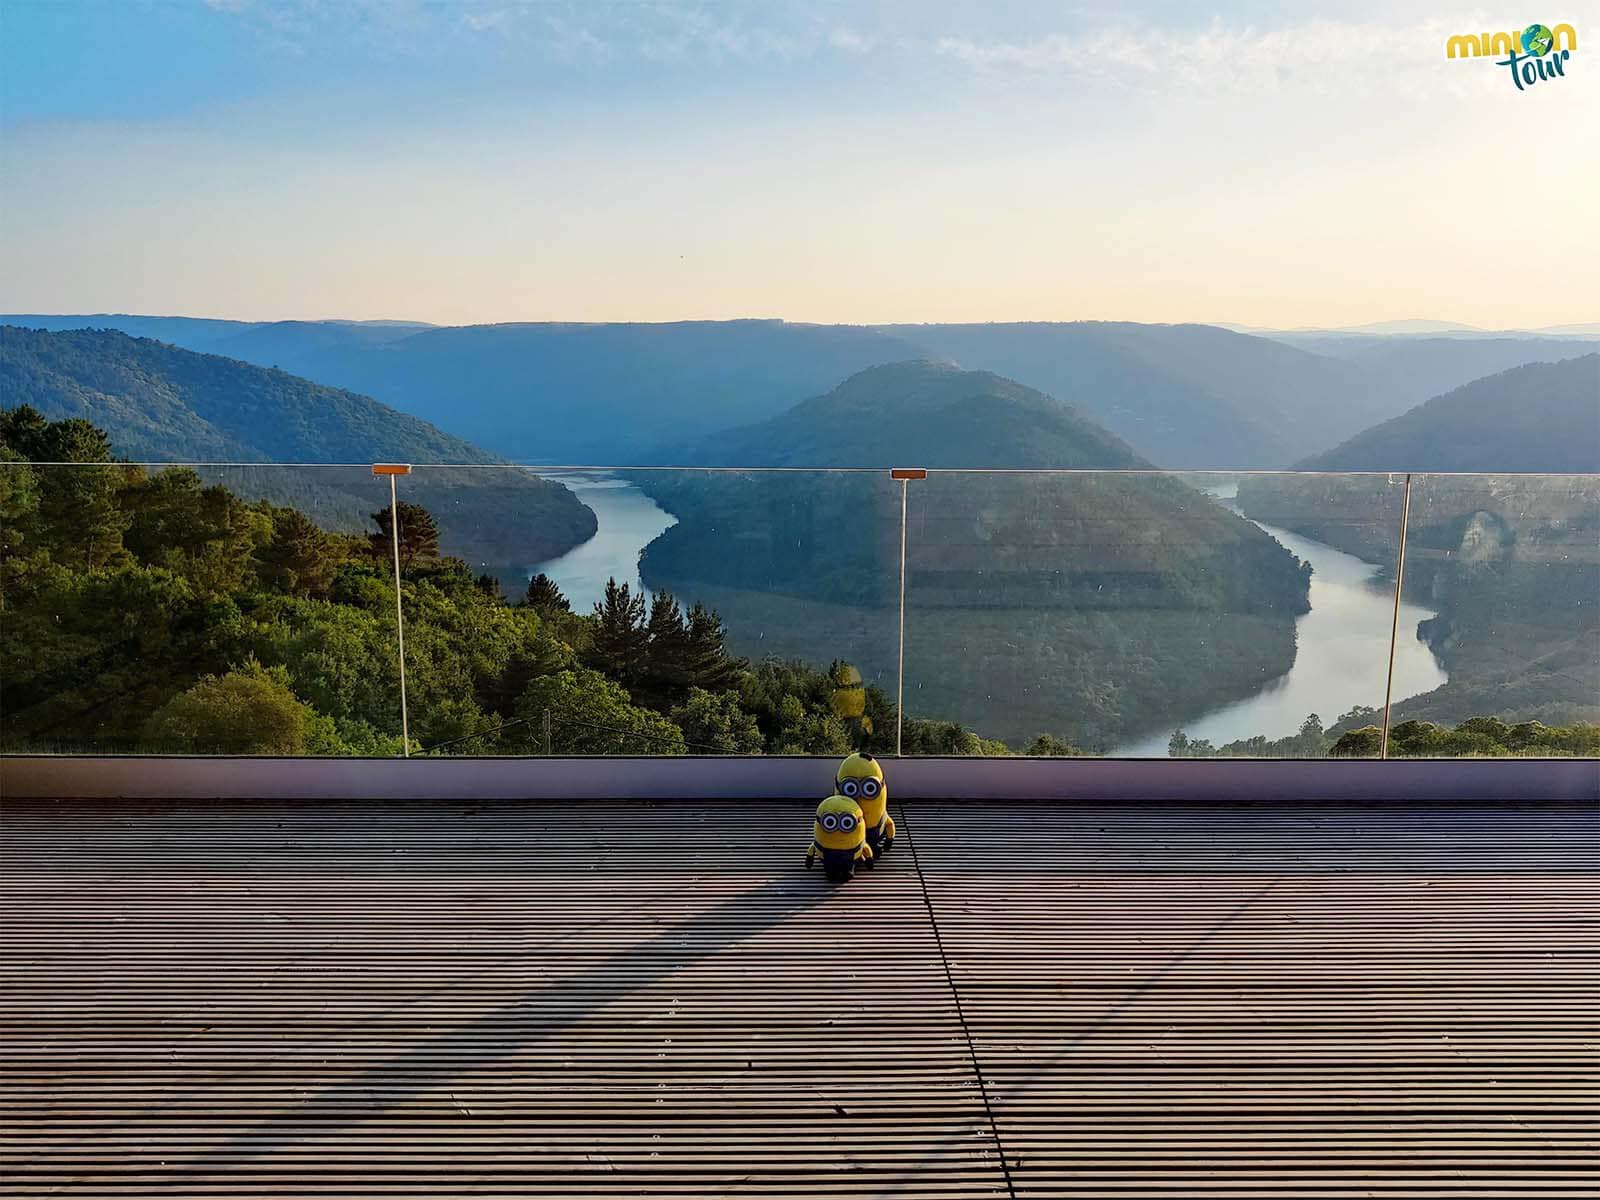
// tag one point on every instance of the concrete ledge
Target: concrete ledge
(712, 778)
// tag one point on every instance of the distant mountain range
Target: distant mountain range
(1421, 327)
(1181, 395)
(1542, 417)
(921, 413)
(1098, 606)
(568, 393)
(160, 403)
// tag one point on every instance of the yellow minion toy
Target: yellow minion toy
(860, 778)
(839, 837)
(849, 700)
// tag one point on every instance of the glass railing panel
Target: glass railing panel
(252, 610)
(195, 610)
(1507, 570)
(1348, 527)
(1145, 614)
(743, 591)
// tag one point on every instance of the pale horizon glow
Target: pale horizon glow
(501, 161)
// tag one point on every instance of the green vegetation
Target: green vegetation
(158, 403)
(1487, 737)
(1511, 563)
(922, 413)
(1355, 736)
(1310, 742)
(250, 710)
(1090, 606)
(153, 612)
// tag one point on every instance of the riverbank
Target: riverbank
(628, 521)
(1341, 656)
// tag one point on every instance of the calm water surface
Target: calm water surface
(1342, 643)
(628, 522)
(1341, 656)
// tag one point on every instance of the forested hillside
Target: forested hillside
(920, 413)
(1093, 607)
(1414, 369)
(158, 403)
(1511, 563)
(1181, 395)
(1542, 417)
(146, 612)
(560, 392)
(153, 612)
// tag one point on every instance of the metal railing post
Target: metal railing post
(905, 475)
(1394, 627)
(394, 471)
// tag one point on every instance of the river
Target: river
(1342, 643)
(628, 521)
(1341, 655)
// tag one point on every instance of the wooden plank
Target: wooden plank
(523, 999)
(1330, 1001)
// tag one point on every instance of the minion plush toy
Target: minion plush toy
(849, 701)
(839, 837)
(860, 778)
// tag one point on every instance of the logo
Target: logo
(1544, 51)
(1536, 40)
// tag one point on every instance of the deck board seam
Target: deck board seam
(961, 1016)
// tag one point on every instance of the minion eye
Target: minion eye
(847, 822)
(870, 788)
(831, 822)
(849, 787)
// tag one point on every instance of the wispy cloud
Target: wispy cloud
(1320, 55)
(602, 30)
(851, 42)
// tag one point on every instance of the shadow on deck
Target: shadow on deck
(623, 999)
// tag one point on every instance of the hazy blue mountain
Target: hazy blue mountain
(1585, 329)
(598, 393)
(1511, 562)
(1542, 417)
(1411, 326)
(1181, 395)
(251, 341)
(1415, 369)
(293, 340)
(160, 403)
(921, 413)
(1099, 606)
(192, 333)
(1422, 329)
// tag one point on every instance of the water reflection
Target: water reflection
(628, 521)
(1342, 652)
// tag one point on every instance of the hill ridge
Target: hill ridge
(1538, 417)
(162, 404)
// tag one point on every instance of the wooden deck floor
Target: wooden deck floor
(619, 1000)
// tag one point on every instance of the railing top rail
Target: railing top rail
(550, 468)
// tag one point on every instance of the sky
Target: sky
(458, 161)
